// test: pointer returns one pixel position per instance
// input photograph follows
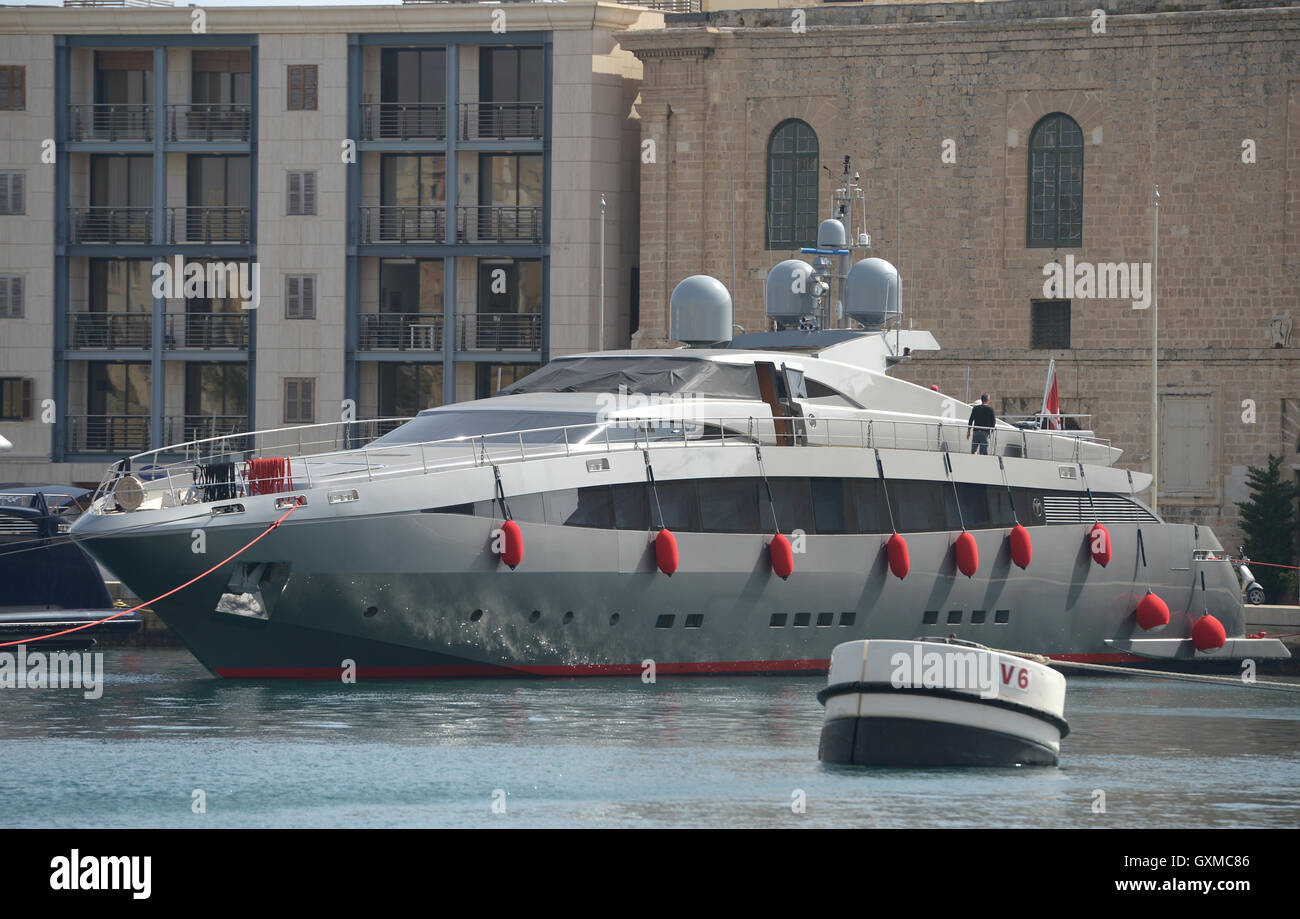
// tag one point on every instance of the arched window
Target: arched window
(1056, 182)
(792, 186)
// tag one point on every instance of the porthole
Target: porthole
(613, 619)
(534, 615)
(694, 620)
(1002, 616)
(777, 620)
(665, 621)
(978, 616)
(848, 618)
(476, 615)
(825, 619)
(954, 617)
(370, 612)
(802, 619)
(930, 617)
(567, 618)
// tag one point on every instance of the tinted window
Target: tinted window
(1000, 511)
(918, 506)
(728, 506)
(580, 507)
(1025, 498)
(679, 506)
(631, 510)
(525, 507)
(793, 506)
(830, 506)
(974, 501)
(869, 505)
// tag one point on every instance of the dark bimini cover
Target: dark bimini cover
(646, 375)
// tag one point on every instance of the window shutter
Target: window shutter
(295, 88)
(4, 298)
(309, 79)
(17, 89)
(307, 302)
(6, 179)
(17, 193)
(295, 193)
(16, 296)
(308, 399)
(290, 401)
(293, 299)
(26, 410)
(309, 193)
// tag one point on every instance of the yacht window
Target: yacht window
(919, 506)
(646, 375)
(830, 503)
(527, 508)
(822, 394)
(869, 506)
(591, 506)
(680, 509)
(1000, 508)
(631, 508)
(974, 500)
(793, 506)
(440, 424)
(728, 506)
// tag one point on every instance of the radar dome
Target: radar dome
(700, 311)
(789, 291)
(831, 235)
(871, 292)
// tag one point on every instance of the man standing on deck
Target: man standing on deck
(981, 422)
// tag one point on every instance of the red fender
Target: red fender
(1208, 634)
(968, 554)
(1022, 547)
(1099, 544)
(899, 560)
(1152, 613)
(666, 551)
(513, 551)
(782, 556)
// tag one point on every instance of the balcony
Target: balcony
(205, 332)
(108, 433)
(401, 332)
(499, 332)
(110, 225)
(208, 224)
(494, 223)
(199, 121)
(403, 121)
(110, 122)
(403, 224)
(500, 121)
(179, 429)
(110, 331)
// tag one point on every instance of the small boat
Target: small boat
(47, 583)
(940, 702)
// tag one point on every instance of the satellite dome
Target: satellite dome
(699, 311)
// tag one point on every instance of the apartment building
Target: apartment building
(250, 217)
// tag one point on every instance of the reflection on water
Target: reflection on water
(607, 752)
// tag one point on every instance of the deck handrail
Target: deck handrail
(587, 437)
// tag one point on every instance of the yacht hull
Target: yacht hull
(422, 595)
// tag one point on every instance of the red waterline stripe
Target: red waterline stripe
(1115, 657)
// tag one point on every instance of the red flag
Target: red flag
(1052, 402)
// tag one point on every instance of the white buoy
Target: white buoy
(940, 703)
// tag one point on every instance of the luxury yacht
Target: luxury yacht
(731, 506)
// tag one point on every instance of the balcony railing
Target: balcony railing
(110, 331)
(111, 121)
(207, 224)
(500, 224)
(403, 121)
(107, 433)
(502, 120)
(401, 332)
(499, 332)
(206, 332)
(209, 121)
(110, 224)
(403, 224)
(177, 428)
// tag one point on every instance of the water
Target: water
(607, 752)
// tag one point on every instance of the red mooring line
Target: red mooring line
(197, 577)
(1269, 564)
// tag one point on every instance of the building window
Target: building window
(302, 81)
(15, 399)
(13, 192)
(11, 296)
(300, 400)
(302, 193)
(792, 186)
(1050, 324)
(13, 89)
(300, 296)
(1186, 429)
(1056, 183)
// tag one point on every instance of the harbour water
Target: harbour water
(738, 752)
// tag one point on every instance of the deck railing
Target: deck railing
(341, 449)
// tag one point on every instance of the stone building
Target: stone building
(994, 139)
